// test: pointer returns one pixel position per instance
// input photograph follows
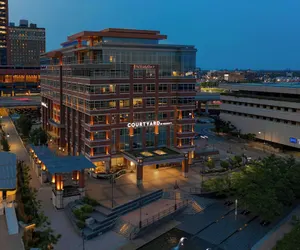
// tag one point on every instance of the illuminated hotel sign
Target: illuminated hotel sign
(143, 66)
(147, 124)
(44, 104)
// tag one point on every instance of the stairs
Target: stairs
(193, 208)
(124, 228)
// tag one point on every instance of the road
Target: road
(226, 147)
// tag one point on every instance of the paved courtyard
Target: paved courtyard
(148, 211)
(125, 188)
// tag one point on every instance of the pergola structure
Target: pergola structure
(65, 173)
(156, 157)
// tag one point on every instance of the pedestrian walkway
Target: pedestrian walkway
(270, 240)
(8, 242)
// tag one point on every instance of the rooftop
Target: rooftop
(8, 170)
(60, 164)
(156, 154)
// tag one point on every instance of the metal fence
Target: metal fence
(147, 222)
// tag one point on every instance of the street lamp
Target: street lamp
(140, 223)
(264, 139)
(175, 187)
(112, 190)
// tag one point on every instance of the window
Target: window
(174, 87)
(162, 102)
(124, 117)
(162, 116)
(150, 102)
(124, 88)
(150, 116)
(99, 119)
(124, 103)
(163, 87)
(137, 102)
(137, 88)
(150, 88)
(100, 135)
(137, 117)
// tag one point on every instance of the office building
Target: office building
(27, 43)
(3, 31)
(270, 111)
(18, 81)
(121, 98)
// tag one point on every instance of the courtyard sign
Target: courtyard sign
(143, 66)
(147, 124)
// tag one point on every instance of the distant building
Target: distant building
(27, 43)
(3, 31)
(270, 111)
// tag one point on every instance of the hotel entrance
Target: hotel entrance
(154, 160)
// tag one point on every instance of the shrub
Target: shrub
(80, 224)
(90, 201)
(87, 209)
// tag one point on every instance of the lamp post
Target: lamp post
(112, 190)
(140, 223)
(175, 187)
(264, 139)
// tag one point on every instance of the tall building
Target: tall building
(27, 43)
(121, 98)
(3, 31)
(270, 111)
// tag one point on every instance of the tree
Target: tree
(5, 144)
(24, 124)
(38, 137)
(210, 163)
(225, 164)
(237, 161)
(291, 240)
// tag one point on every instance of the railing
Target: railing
(149, 221)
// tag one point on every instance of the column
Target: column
(107, 165)
(185, 165)
(81, 183)
(57, 195)
(139, 172)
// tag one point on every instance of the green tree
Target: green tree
(237, 161)
(5, 144)
(210, 163)
(24, 124)
(225, 164)
(38, 137)
(291, 240)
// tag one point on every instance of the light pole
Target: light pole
(175, 187)
(264, 139)
(140, 223)
(112, 190)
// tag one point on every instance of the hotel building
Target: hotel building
(270, 111)
(121, 99)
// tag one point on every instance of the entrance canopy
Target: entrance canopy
(60, 164)
(154, 156)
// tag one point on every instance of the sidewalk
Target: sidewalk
(270, 240)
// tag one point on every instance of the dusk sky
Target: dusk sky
(256, 34)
